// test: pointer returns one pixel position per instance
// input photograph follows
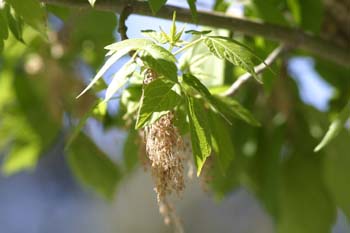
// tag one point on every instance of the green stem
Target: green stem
(188, 45)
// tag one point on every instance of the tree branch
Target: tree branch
(290, 36)
(258, 69)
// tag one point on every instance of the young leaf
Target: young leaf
(130, 44)
(155, 5)
(92, 167)
(110, 61)
(32, 13)
(92, 2)
(179, 34)
(158, 98)
(200, 132)
(119, 79)
(335, 128)
(233, 51)
(164, 34)
(221, 141)
(173, 29)
(161, 61)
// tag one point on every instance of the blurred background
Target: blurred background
(49, 199)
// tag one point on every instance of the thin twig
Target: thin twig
(258, 69)
(293, 37)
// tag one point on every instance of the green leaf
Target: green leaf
(336, 162)
(92, 167)
(130, 100)
(221, 5)
(231, 109)
(301, 13)
(161, 61)
(110, 61)
(227, 108)
(200, 132)
(232, 51)
(158, 99)
(100, 110)
(32, 13)
(119, 79)
(312, 22)
(221, 141)
(23, 155)
(164, 34)
(3, 25)
(179, 34)
(155, 5)
(90, 26)
(180, 120)
(33, 104)
(269, 12)
(305, 204)
(195, 83)
(335, 128)
(3, 31)
(15, 24)
(131, 150)
(92, 2)
(1, 46)
(193, 8)
(294, 7)
(100, 85)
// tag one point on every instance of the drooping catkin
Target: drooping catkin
(164, 150)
